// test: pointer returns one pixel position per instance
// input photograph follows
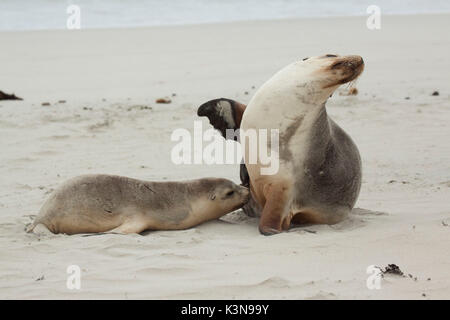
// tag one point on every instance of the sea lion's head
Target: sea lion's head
(316, 78)
(211, 198)
(227, 196)
(223, 114)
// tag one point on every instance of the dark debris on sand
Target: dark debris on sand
(5, 96)
(393, 269)
(352, 91)
(163, 100)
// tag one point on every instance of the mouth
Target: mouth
(246, 196)
(350, 66)
(244, 200)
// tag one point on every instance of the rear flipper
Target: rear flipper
(29, 227)
(38, 229)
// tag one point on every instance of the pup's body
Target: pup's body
(107, 203)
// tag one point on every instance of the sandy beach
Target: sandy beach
(109, 123)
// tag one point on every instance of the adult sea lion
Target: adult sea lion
(319, 174)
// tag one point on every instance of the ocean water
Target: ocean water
(52, 14)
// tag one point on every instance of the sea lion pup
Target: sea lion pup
(108, 203)
(319, 174)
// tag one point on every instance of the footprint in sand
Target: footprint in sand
(322, 295)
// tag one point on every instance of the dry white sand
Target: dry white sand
(404, 205)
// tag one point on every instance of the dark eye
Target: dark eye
(337, 65)
(305, 59)
(230, 193)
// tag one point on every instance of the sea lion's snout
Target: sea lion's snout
(242, 194)
(228, 195)
(352, 63)
(245, 194)
(238, 196)
(347, 68)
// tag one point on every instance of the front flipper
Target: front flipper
(274, 213)
(223, 114)
(133, 225)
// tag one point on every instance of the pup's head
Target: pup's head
(225, 195)
(316, 78)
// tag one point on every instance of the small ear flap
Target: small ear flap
(223, 114)
(212, 196)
